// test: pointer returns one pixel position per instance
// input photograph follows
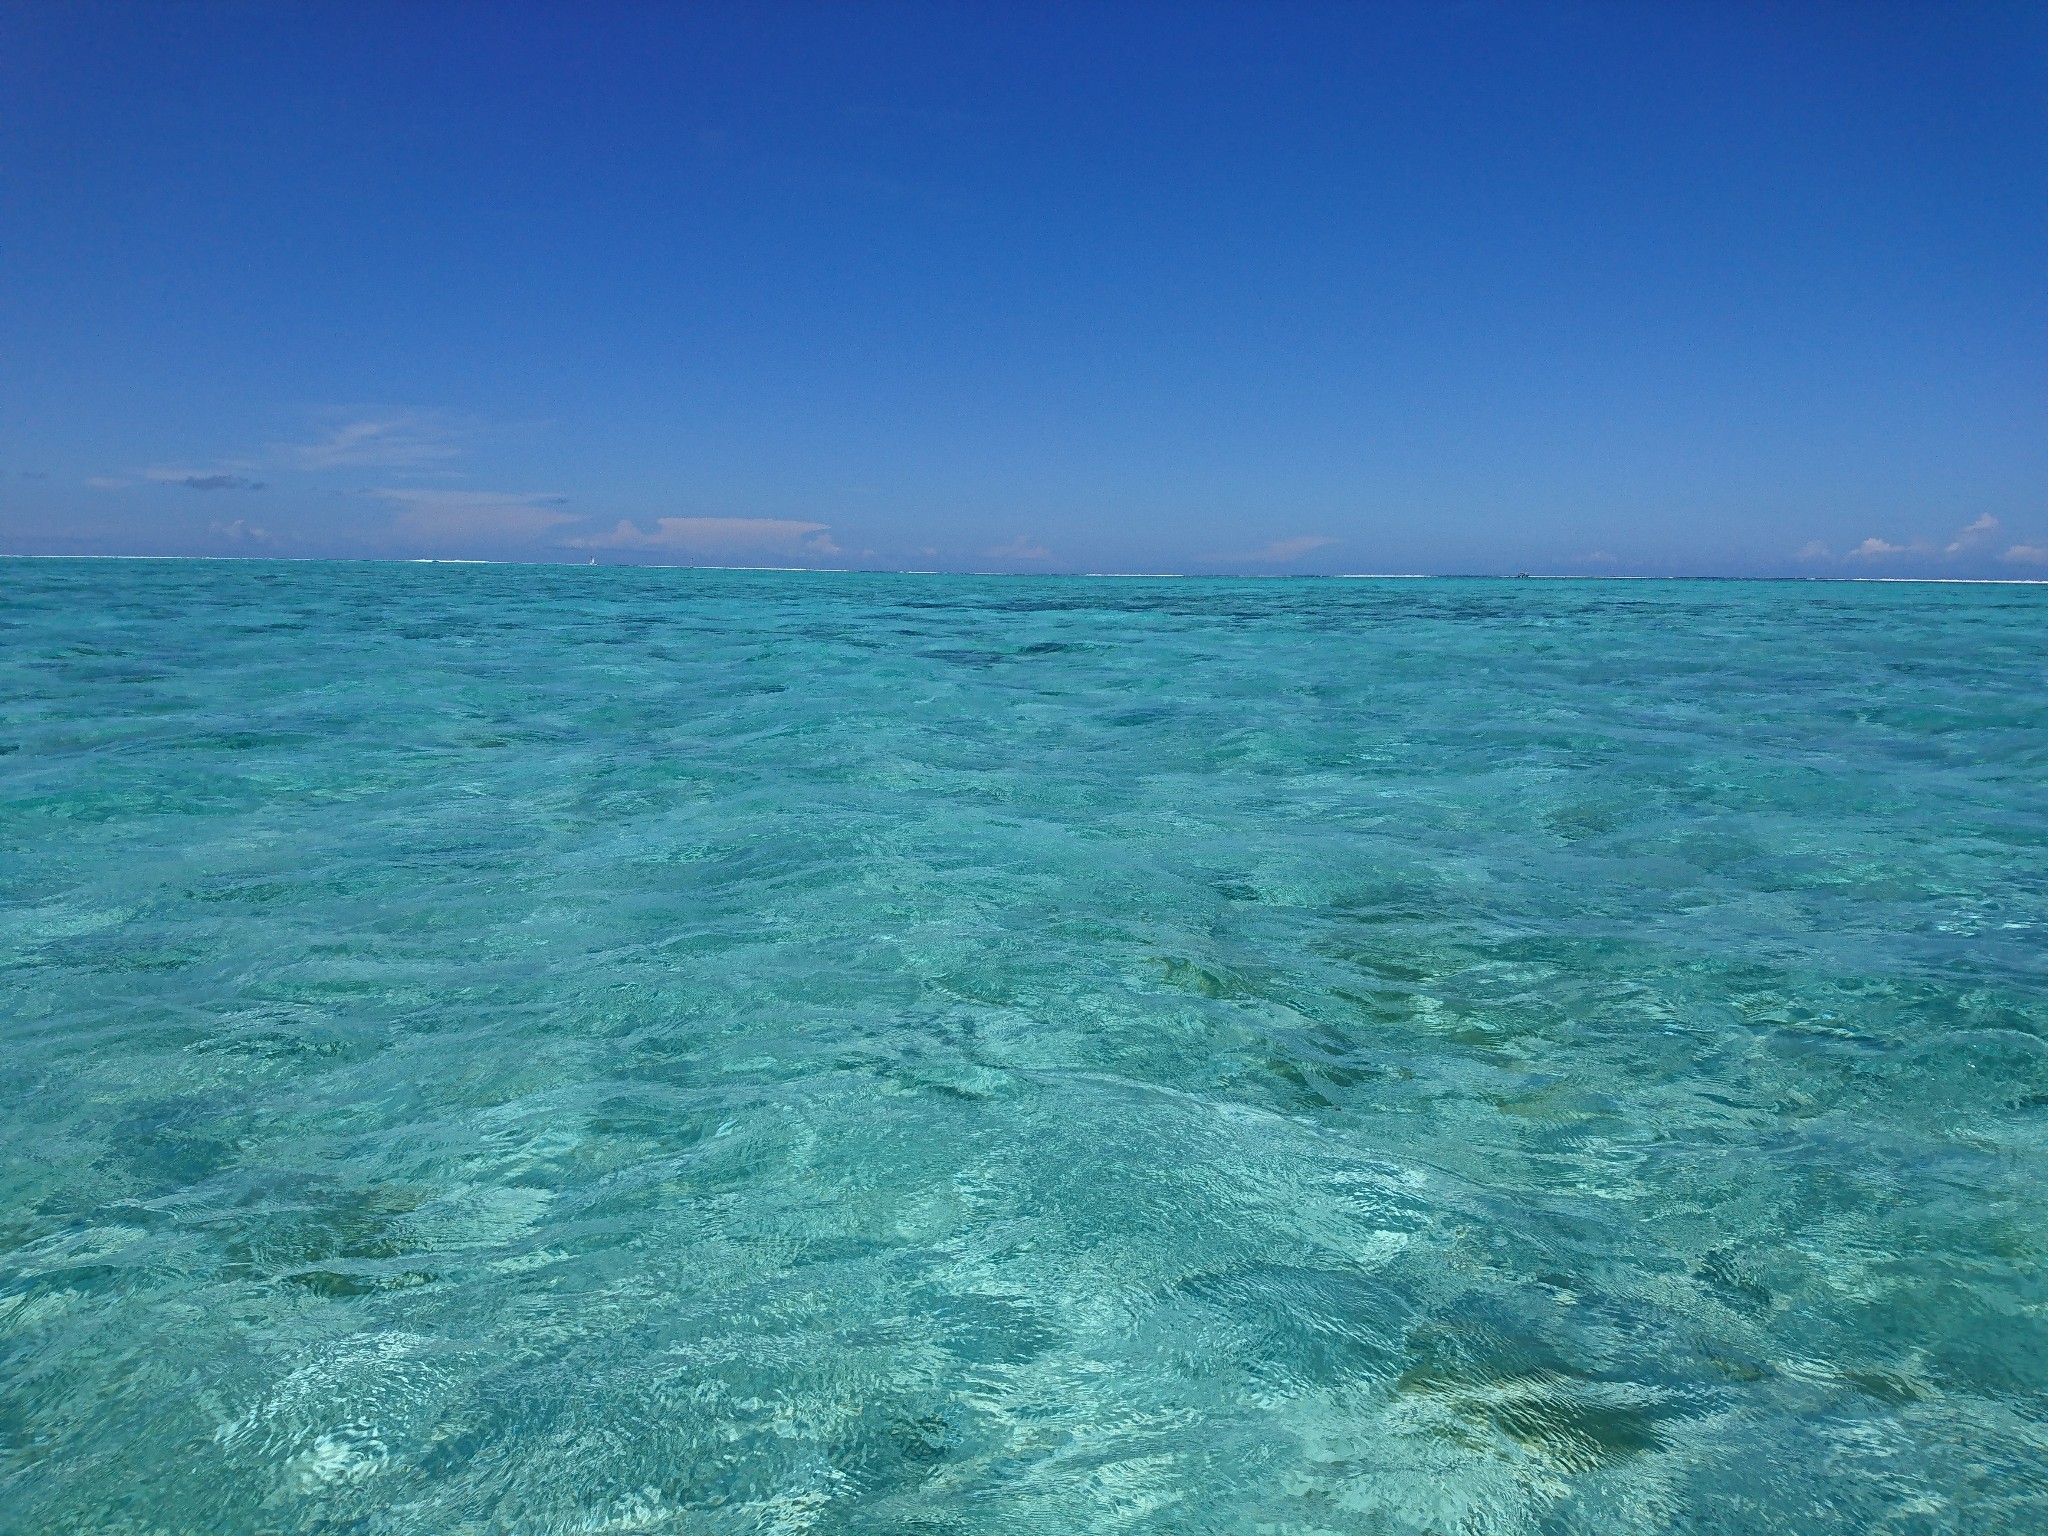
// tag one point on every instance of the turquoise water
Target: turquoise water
(571, 1050)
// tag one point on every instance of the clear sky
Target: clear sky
(1601, 288)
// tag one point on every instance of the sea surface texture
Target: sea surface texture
(547, 1050)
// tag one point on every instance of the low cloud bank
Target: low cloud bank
(719, 536)
(1279, 552)
(1975, 539)
(1020, 548)
(494, 517)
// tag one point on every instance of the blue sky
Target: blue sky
(1652, 289)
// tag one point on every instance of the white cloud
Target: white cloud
(382, 440)
(238, 529)
(1597, 557)
(719, 536)
(2026, 554)
(1877, 549)
(1020, 548)
(1966, 540)
(1977, 533)
(1812, 549)
(489, 515)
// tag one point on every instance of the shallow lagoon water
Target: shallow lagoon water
(551, 1050)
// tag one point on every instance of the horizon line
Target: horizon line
(837, 570)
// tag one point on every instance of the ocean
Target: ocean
(546, 1049)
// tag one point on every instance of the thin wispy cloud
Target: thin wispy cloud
(719, 537)
(397, 439)
(1812, 549)
(225, 476)
(1020, 548)
(107, 482)
(2026, 554)
(1279, 552)
(489, 516)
